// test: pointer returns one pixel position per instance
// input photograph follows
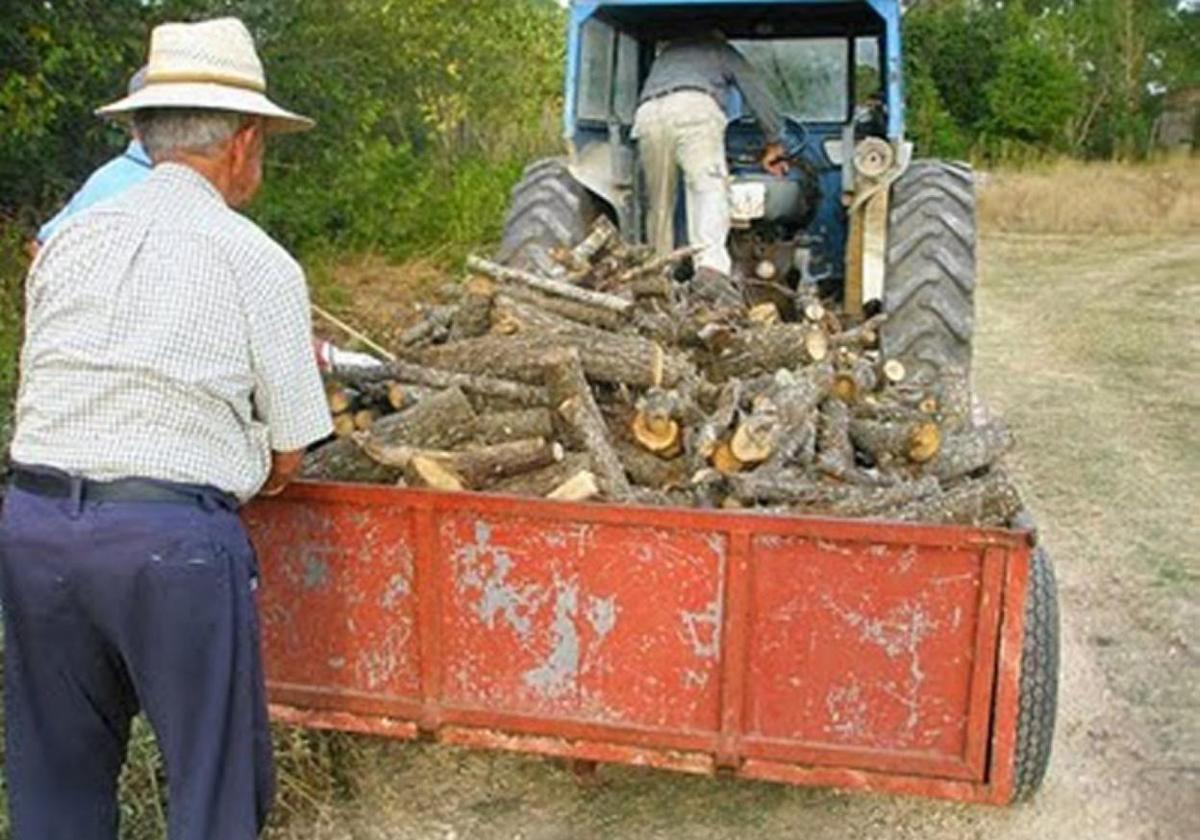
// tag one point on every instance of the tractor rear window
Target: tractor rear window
(807, 76)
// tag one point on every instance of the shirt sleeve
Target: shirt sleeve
(288, 393)
(760, 101)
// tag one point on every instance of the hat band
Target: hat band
(155, 77)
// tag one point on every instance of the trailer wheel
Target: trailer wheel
(549, 209)
(1038, 693)
(929, 290)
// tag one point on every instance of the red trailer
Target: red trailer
(870, 655)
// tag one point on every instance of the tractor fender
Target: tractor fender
(593, 167)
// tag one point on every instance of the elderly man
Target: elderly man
(167, 376)
(680, 124)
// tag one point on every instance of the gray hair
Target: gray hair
(198, 131)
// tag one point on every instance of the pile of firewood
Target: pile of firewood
(601, 377)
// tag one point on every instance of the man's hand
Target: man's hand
(285, 466)
(774, 159)
(31, 249)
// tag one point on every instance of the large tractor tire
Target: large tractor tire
(1038, 693)
(929, 289)
(549, 209)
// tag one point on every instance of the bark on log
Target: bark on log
(432, 377)
(583, 313)
(659, 265)
(886, 442)
(342, 460)
(988, 501)
(572, 395)
(651, 471)
(422, 471)
(856, 381)
(602, 234)
(476, 466)
(768, 349)
(434, 325)
(711, 430)
(474, 316)
(655, 424)
(506, 426)
(879, 501)
(658, 286)
(835, 451)
(440, 422)
(969, 451)
(550, 287)
(606, 357)
(863, 337)
(343, 424)
(797, 397)
(543, 481)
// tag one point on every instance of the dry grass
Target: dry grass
(1093, 198)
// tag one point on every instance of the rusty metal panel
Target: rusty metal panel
(861, 655)
(604, 623)
(858, 654)
(338, 604)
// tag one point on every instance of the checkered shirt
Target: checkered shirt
(167, 337)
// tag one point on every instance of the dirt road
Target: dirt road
(1091, 351)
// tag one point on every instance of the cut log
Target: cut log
(797, 397)
(543, 481)
(713, 428)
(582, 313)
(988, 501)
(863, 337)
(557, 288)
(440, 422)
(756, 436)
(724, 461)
(606, 357)
(422, 471)
(835, 451)
(431, 376)
(342, 460)
(580, 487)
(856, 381)
(768, 349)
(474, 467)
(602, 234)
(343, 424)
(571, 394)
(892, 371)
(655, 425)
(659, 265)
(650, 470)
(656, 286)
(365, 418)
(971, 450)
(878, 501)
(886, 441)
(340, 400)
(765, 314)
(473, 317)
(514, 425)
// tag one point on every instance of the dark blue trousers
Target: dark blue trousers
(114, 606)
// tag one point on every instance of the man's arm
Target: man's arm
(758, 98)
(285, 467)
(288, 393)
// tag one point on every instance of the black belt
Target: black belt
(60, 485)
(681, 89)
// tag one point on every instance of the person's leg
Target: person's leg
(656, 148)
(189, 631)
(68, 700)
(701, 154)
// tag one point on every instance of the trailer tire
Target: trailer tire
(929, 291)
(1038, 693)
(549, 209)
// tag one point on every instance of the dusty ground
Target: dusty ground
(1090, 349)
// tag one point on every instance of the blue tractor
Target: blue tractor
(855, 219)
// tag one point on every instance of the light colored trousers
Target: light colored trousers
(686, 130)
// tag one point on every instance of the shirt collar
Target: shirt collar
(137, 152)
(186, 176)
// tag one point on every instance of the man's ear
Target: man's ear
(243, 142)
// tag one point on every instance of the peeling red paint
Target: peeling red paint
(803, 650)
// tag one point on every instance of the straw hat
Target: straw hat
(211, 64)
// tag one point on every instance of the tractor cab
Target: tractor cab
(833, 69)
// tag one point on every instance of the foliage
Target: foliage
(422, 106)
(1036, 78)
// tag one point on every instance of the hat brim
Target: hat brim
(212, 96)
